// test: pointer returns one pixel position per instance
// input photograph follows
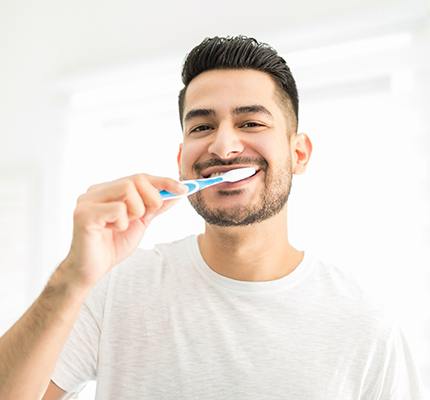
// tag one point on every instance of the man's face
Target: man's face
(233, 136)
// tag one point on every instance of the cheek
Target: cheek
(274, 152)
(267, 149)
(191, 152)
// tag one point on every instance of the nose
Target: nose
(225, 143)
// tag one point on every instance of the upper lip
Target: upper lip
(224, 168)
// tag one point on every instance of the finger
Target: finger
(169, 184)
(139, 192)
(151, 185)
(149, 215)
(90, 216)
(135, 205)
(106, 192)
(149, 194)
(122, 190)
(116, 190)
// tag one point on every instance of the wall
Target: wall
(52, 49)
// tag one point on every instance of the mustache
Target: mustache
(243, 161)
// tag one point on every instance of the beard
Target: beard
(271, 200)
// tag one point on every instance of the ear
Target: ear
(179, 158)
(301, 150)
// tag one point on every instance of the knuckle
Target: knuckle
(128, 186)
(121, 207)
(154, 201)
(79, 213)
(91, 188)
(138, 208)
(140, 177)
(134, 210)
(81, 198)
(141, 180)
(149, 192)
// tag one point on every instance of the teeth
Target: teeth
(216, 174)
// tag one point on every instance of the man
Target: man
(234, 313)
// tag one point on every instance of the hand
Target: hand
(109, 221)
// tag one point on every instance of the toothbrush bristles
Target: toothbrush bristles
(235, 175)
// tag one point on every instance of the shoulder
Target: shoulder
(350, 302)
(365, 327)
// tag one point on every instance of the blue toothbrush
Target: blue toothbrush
(195, 185)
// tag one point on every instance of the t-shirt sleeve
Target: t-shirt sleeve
(77, 363)
(399, 379)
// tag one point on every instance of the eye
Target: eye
(199, 128)
(255, 124)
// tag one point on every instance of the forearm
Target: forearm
(30, 348)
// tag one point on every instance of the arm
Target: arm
(31, 347)
(108, 223)
(54, 392)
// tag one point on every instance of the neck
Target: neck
(258, 252)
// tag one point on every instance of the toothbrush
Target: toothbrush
(194, 185)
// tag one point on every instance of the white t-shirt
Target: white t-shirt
(164, 325)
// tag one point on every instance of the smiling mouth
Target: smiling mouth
(218, 173)
(214, 174)
(233, 185)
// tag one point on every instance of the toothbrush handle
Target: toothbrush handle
(169, 195)
(193, 185)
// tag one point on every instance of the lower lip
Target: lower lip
(234, 185)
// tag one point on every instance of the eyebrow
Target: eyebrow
(205, 112)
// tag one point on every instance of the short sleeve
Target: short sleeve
(77, 363)
(400, 379)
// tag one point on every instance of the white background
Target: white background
(89, 93)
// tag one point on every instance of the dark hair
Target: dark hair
(240, 52)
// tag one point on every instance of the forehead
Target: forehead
(225, 89)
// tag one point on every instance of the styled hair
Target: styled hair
(241, 52)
